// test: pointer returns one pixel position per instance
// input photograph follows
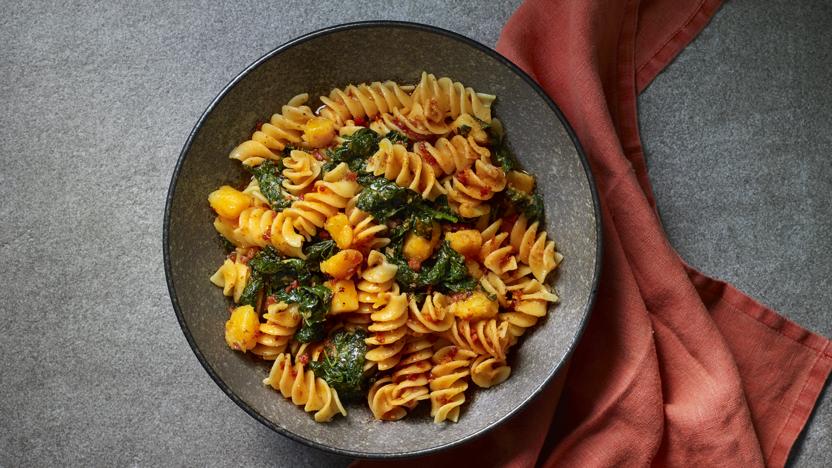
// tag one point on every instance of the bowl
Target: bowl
(363, 52)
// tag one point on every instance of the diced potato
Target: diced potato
(228, 202)
(468, 242)
(340, 230)
(344, 296)
(241, 328)
(343, 264)
(521, 182)
(476, 306)
(318, 131)
(417, 248)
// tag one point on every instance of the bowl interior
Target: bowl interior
(354, 54)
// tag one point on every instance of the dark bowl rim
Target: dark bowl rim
(323, 32)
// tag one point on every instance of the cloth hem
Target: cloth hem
(818, 374)
(648, 71)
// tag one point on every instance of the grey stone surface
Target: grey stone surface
(738, 135)
(98, 99)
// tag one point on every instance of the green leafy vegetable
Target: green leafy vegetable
(397, 137)
(318, 252)
(504, 157)
(383, 199)
(270, 179)
(281, 270)
(501, 155)
(355, 150)
(447, 272)
(529, 205)
(342, 365)
(313, 304)
(464, 130)
(252, 290)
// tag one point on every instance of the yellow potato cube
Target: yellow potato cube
(241, 328)
(340, 230)
(468, 242)
(521, 182)
(228, 202)
(476, 306)
(343, 264)
(344, 296)
(417, 248)
(318, 131)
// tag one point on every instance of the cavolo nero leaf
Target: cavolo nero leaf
(355, 150)
(313, 304)
(318, 252)
(342, 365)
(270, 179)
(252, 290)
(529, 205)
(396, 137)
(446, 272)
(384, 199)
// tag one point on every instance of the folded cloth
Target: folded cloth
(674, 368)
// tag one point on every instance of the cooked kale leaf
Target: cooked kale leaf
(355, 150)
(313, 304)
(504, 157)
(342, 365)
(281, 270)
(500, 152)
(270, 179)
(529, 205)
(397, 137)
(382, 198)
(318, 252)
(446, 272)
(252, 290)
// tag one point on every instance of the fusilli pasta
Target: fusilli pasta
(386, 243)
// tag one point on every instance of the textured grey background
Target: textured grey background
(97, 101)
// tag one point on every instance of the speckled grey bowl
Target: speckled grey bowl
(354, 53)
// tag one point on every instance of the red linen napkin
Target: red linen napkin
(674, 368)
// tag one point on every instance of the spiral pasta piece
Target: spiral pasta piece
(275, 333)
(377, 279)
(483, 337)
(364, 101)
(494, 255)
(469, 189)
(432, 317)
(259, 227)
(447, 98)
(383, 402)
(411, 373)
(533, 248)
(494, 285)
(450, 156)
(448, 382)
(301, 169)
(487, 371)
(304, 389)
(406, 169)
(232, 276)
(530, 300)
(388, 328)
(366, 233)
(269, 140)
